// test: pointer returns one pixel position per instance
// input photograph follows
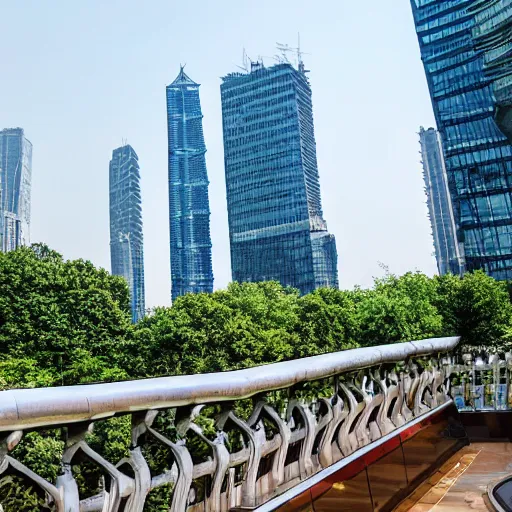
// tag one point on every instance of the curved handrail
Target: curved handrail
(32, 408)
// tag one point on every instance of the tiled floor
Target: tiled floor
(461, 483)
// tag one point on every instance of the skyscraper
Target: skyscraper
(15, 184)
(478, 156)
(491, 34)
(448, 256)
(276, 225)
(189, 209)
(126, 240)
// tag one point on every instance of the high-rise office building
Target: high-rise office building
(126, 240)
(444, 232)
(15, 185)
(189, 209)
(276, 225)
(478, 156)
(491, 34)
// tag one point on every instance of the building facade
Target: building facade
(189, 208)
(276, 225)
(126, 239)
(478, 156)
(15, 188)
(492, 36)
(448, 253)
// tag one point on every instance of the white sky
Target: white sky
(81, 76)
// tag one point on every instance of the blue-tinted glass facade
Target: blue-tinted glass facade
(126, 240)
(276, 225)
(189, 208)
(477, 154)
(492, 34)
(444, 232)
(15, 188)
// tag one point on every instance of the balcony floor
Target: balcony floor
(461, 483)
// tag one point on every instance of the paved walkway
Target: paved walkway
(461, 483)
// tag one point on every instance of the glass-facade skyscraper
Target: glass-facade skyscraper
(126, 240)
(15, 187)
(492, 35)
(478, 156)
(444, 232)
(276, 225)
(189, 208)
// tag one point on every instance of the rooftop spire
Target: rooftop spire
(183, 78)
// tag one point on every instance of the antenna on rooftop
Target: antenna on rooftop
(300, 63)
(244, 66)
(284, 49)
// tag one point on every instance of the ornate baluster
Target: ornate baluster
(422, 390)
(183, 461)
(249, 484)
(306, 447)
(396, 380)
(142, 475)
(347, 440)
(389, 393)
(7, 444)
(339, 414)
(121, 486)
(262, 408)
(364, 431)
(408, 378)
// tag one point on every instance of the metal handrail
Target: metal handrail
(44, 407)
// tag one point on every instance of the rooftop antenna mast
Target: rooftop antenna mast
(244, 66)
(300, 63)
(284, 49)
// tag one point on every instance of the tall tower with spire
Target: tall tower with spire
(189, 209)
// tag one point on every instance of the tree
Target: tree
(398, 309)
(476, 307)
(246, 325)
(54, 311)
(327, 322)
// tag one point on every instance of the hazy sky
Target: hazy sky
(81, 76)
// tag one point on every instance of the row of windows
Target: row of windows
(486, 241)
(483, 131)
(486, 209)
(447, 32)
(439, 21)
(469, 104)
(430, 8)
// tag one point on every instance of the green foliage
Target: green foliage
(398, 309)
(477, 307)
(327, 322)
(56, 312)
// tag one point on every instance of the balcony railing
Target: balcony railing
(233, 439)
(483, 383)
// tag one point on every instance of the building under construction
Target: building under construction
(276, 225)
(126, 240)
